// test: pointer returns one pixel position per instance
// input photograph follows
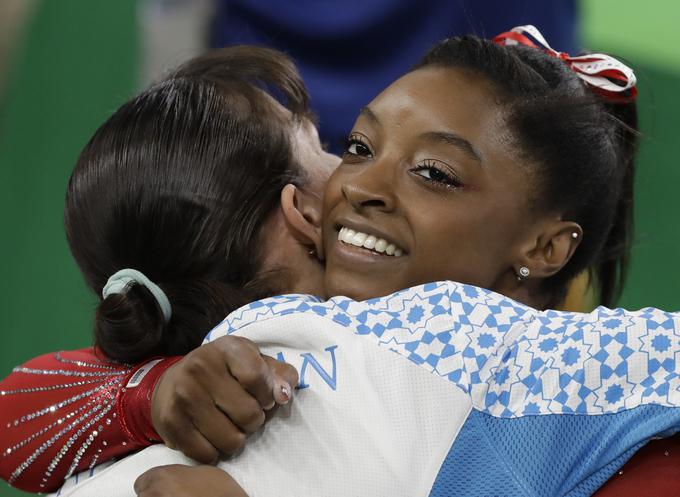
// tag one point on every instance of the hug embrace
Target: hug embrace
(405, 295)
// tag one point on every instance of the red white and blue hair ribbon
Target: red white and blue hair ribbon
(606, 75)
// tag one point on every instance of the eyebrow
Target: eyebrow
(452, 139)
(370, 115)
(434, 136)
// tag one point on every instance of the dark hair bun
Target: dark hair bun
(129, 326)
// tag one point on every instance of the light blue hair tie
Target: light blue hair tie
(120, 281)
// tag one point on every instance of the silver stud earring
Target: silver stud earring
(523, 273)
(574, 235)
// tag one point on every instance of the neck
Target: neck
(529, 292)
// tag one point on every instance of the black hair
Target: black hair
(177, 184)
(581, 146)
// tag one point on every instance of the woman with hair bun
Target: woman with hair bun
(190, 201)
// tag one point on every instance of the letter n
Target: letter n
(310, 360)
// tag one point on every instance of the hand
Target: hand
(177, 480)
(206, 403)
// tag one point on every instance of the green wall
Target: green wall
(645, 34)
(77, 64)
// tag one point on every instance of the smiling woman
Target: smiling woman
(488, 165)
(412, 174)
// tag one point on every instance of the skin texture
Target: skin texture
(430, 167)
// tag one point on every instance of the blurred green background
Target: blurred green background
(76, 62)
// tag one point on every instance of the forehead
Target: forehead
(444, 98)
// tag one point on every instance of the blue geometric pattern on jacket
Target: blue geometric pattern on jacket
(513, 360)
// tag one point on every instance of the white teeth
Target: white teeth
(347, 236)
(380, 245)
(370, 242)
(359, 239)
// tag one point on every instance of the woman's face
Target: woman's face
(430, 190)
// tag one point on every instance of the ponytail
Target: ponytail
(130, 326)
(611, 267)
(580, 143)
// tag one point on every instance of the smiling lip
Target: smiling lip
(353, 255)
(357, 254)
(370, 230)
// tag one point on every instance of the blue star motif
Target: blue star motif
(612, 323)
(415, 314)
(486, 340)
(548, 344)
(661, 343)
(613, 394)
(570, 356)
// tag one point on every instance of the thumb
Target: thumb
(285, 379)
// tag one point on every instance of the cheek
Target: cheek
(333, 190)
(332, 197)
(467, 245)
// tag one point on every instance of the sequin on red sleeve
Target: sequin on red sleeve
(59, 414)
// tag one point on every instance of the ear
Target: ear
(552, 248)
(302, 214)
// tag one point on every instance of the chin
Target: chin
(357, 290)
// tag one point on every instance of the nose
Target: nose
(370, 189)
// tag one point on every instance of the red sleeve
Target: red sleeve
(654, 471)
(65, 412)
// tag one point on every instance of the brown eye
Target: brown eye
(432, 174)
(435, 175)
(357, 147)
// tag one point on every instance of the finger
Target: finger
(249, 368)
(232, 400)
(222, 412)
(191, 442)
(220, 408)
(146, 479)
(149, 482)
(270, 413)
(141, 483)
(178, 430)
(221, 432)
(285, 378)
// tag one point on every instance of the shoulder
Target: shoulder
(410, 304)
